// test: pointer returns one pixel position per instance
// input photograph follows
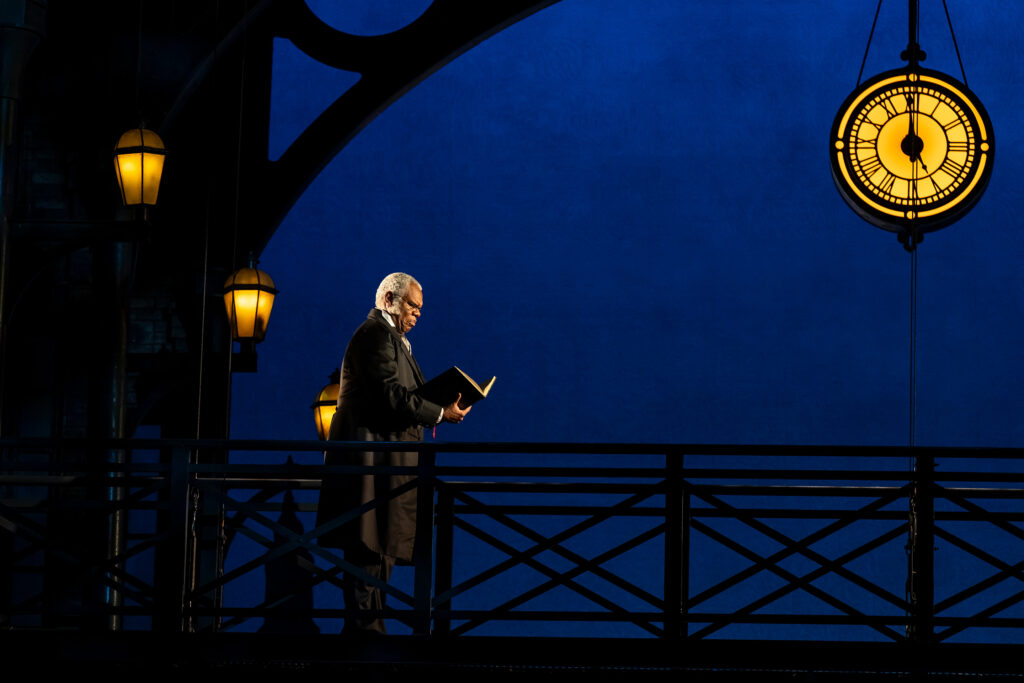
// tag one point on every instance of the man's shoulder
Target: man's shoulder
(373, 329)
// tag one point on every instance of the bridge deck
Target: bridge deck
(489, 657)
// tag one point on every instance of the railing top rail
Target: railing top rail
(525, 447)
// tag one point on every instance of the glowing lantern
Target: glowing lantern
(248, 298)
(139, 164)
(325, 404)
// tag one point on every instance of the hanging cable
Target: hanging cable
(138, 64)
(238, 180)
(956, 47)
(210, 193)
(913, 347)
(241, 125)
(868, 46)
(912, 531)
(202, 314)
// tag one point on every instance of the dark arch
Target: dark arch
(390, 66)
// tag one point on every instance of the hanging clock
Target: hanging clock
(911, 150)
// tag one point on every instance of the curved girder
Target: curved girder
(390, 66)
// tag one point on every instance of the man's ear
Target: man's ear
(389, 299)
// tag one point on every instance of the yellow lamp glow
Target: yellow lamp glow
(139, 164)
(324, 406)
(249, 297)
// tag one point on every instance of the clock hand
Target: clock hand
(910, 109)
(912, 144)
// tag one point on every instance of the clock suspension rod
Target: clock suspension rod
(913, 54)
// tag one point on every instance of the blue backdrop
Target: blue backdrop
(624, 211)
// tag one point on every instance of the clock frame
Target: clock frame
(911, 150)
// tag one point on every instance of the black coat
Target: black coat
(376, 403)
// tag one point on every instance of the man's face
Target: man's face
(405, 310)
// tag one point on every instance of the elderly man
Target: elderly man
(377, 403)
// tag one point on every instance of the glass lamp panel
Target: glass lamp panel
(324, 408)
(247, 303)
(229, 308)
(323, 419)
(129, 177)
(264, 303)
(244, 306)
(318, 418)
(131, 138)
(138, 170)
(152, 169)
(151, 139)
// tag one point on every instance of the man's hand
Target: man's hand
(454, 413)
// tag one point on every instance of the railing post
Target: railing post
(423, 550)
(675, 541)
(171, 602)
(445, 552)
(116, 525)
(206, 534)
(684, 574)
(921, 559)
(7, 562)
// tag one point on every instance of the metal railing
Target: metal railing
(630, 540)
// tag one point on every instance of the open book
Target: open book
(445, 387)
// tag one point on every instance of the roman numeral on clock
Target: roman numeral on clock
(870, 166)
(951, 167)
(888, 180)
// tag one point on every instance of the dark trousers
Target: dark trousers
(362, 596)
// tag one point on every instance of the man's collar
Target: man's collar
(394, 329)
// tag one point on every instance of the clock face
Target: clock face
(911, 150)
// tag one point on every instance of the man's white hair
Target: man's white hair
(398, 283)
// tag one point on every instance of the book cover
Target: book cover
(445, 387)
